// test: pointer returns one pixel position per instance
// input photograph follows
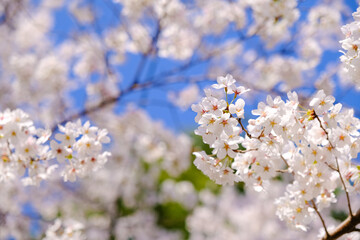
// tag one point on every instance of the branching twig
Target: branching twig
(337, 166)
(347, 226)
(284, 160)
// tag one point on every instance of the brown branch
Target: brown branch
(111, 100)
(321, 218)
(323, 128)
(346, 191)
(331, 167)
(243, 128)
(347, 226)
(337, 166)
(247, 150)
(284, 160)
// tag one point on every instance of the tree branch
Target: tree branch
(337, 166)
(243, 128)
(347, 226)
(321, 218)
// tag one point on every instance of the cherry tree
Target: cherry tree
(83, 158)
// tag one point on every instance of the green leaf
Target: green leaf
(240, 187)
(338, 215)
(198, 179)
(278, 178)
(172, 216)
(122, 209)
(337, 191)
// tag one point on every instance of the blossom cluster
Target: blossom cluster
(142, 138)
(137, 186)
(81, 146)
(143, 174)
(267, 44)
(351, 44)
(314, 146)
(70, 230)
(227, 216)
(22, 147)
(220, 130)
(25, 152)
(142, 225)
(35, 69)
(273, 25)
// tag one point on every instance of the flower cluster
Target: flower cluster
(148, 150)
(273, 25)
(227, 216)
(142, 138)
(301, 153)
(81, 146)
(142, 225)
(312, 145)
(351, 46)
(220, 130)
(69, 230)
(182, 192)
(22, 147)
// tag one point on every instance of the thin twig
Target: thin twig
(345, 189)
(247, 150)
(284, 160)
(321, 218)
(243, 128)
(144, 57)
(337, 166)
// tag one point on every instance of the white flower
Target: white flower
(237, 108)
(68, 229)
(186, 97)
(223, 148)
(237, 90)
(59, 151)
(224, 82)
(321, 103)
